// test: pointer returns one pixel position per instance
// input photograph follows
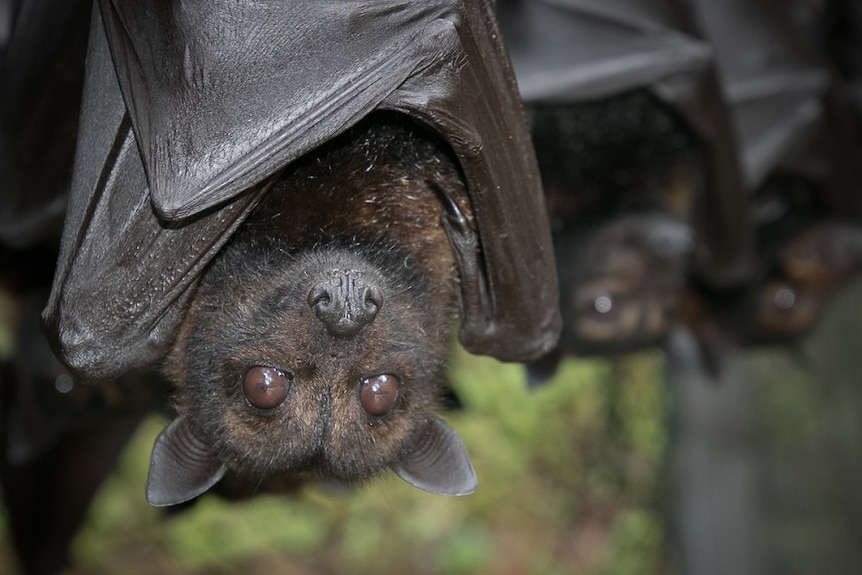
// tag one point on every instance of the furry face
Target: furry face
(622, 283)
(315, 342)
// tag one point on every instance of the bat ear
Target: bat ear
(181, 466)
(439, 463)
(540, 371)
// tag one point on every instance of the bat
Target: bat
(806, 255)
(574, 52)
(180, 144)
(621, 175)
(170, 164)
(797, 149)
(637, 158)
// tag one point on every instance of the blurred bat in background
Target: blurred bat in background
(638, 162)
(620, 175)
(798, 149)
(805, 255)
(574, 52)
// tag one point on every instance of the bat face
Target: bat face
(805, 257)
(295, 390)
(810, 267)
(622, 283)
(315, 342)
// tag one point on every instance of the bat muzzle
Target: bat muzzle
(345, 302)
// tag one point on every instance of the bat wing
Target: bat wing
(122, 274)
(723, 254)
(789, 113)
(42, 48)
(773, 79)
(216, 108)
(575, 50)
(569, 51)
(174, 133)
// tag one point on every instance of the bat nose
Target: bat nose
(345, 302)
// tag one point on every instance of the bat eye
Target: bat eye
(602, 307)
(265, 387)
(784, 298)
(378, 394)
(603, 304)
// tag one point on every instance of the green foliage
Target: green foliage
(637, 537)
(7, 338)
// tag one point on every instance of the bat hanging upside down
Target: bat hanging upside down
(305, 339)
(315, 342)
(621, 175)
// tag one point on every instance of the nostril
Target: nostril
(319, 297)
(372, 300)
(328, 305)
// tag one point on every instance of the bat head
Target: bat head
(809, 269)
(805, 256)
(621, 282)
(315, 344)
(621, 177)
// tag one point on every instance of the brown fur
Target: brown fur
(366, 201)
